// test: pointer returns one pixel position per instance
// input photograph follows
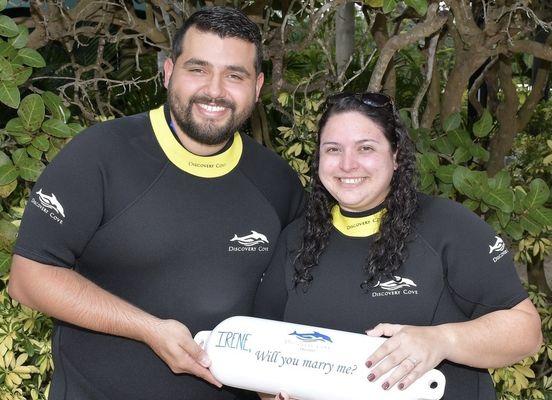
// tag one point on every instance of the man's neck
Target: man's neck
(196, 147)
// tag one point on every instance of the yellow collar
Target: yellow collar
(202, 166)
(356, 226)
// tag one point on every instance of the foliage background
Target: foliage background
(469, 78)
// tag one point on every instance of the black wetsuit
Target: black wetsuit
(457, 269)
(124, 206)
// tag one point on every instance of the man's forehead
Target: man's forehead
(210, 47)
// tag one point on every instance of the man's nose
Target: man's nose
(215, 87)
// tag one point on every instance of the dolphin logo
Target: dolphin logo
(396, 284)
(498, 246)
(250, 240)
(50, 202)
(311, 337)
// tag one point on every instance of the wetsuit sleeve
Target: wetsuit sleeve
(272, 294)
(65, 206)
(478, 266)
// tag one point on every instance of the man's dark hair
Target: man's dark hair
(226, 22)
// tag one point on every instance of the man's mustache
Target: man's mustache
(213, 101)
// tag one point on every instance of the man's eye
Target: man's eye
(235, 77)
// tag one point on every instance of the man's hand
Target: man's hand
(173, 343)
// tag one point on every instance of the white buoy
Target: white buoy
(307, 362)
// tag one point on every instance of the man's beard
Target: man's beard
(207, 133)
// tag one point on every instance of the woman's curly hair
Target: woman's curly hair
(388, 251)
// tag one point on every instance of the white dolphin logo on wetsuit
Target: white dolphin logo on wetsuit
(498, 246)
(50, 202)
(250, 240)
(396, 284)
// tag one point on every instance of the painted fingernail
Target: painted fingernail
(401, 386)
(385, 386)
(280, 397)
(368, 363)
(371, 377)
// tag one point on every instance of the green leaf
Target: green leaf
(19, 155)
(538, 194)
(446, 190)
(41, 142)
(75, 128)
(374, 3)
(15, 126)
(519, 203)
(471, 204)
(9, 94)
(541, 215)
(6, 70)
(428, 162)
(452, 122)
(51, 153)
(54, 105)
(389, 6)
(6, 190)
(34, 152)
(29, 57)
(426, 182)
(503, 218)
(461, 155)
(493, 221)
(530, 226)
(3, 4)
(8, 27)
(5, 258)
(514, 230)
(443, 145)
(482, 127)
(444, 173)
(20, 41)
(460, 137)
(468, 182)
(32, 112)
(30, 169)
(501, 199)
(501, 180)
(479, 152)
(4, 159)
(57, 128)
(8, 233)
(8, 173)
(21, 74)
(23, 138)
(419, 5)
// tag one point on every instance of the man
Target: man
(147, 229)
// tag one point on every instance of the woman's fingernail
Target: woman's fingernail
(401, 386)
(280, 397)
(368, 363)
(371, 377)
(385, 385)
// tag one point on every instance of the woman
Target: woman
(373, 253)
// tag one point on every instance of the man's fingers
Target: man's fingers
(203, 373)
(196, 352)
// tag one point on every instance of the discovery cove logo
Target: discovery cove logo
(50, 205)
(395, 287)
(498, 248)
(311, 337)
(252, 242)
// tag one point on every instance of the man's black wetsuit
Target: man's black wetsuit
(457, 269)
(178, 235)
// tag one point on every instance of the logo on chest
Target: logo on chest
(395, 287)
(253, 242)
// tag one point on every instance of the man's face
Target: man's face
(212, 86)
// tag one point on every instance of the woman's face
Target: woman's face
(356, 161)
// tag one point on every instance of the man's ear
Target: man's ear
(168, 67)
(259, 85)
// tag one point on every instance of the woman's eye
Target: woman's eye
(366, 148)
(332, 149)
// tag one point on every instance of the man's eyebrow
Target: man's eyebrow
(196, 61)
(202, 63)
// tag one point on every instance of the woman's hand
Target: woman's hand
(414, 350)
